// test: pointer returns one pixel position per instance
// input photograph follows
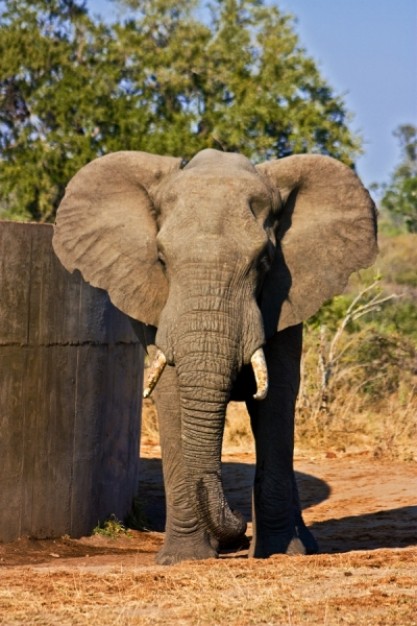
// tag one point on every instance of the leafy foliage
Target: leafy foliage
(111, 528)
(400, 196)
(163, 81)
(59, 96)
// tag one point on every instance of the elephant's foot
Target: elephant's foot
(196, 547)
(265, 545)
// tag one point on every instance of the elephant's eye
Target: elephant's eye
(161, 258)
(260, 203)
(257, 207)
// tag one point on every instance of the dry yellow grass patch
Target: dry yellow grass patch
(357, 588)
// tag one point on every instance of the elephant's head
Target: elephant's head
(218, 255)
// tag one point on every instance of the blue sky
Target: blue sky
(367, 51)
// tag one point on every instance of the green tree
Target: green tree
(59, 95)
(237, 81)
(400, 196)
(167, 79)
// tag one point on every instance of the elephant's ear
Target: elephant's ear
(106, 228)
(327, 230)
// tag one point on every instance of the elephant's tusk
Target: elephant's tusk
(155, 371)
(261, 374)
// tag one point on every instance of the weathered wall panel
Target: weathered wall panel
(70, 382)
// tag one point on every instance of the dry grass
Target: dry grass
(149, 426)
(385, 429)
(320, 590)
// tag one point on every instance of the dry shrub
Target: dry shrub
(237, 432)
(368, 398)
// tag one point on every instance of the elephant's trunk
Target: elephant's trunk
(205, 384)
(209, 335)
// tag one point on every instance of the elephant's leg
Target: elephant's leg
(185, 536)
(278, 524)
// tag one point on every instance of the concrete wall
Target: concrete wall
(70, 395)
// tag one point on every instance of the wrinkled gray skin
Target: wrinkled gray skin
(216, 259)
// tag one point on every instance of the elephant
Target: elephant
(218, 262)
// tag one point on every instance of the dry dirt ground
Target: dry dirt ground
(361, 510)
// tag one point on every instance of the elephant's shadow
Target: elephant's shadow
(392, 528)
